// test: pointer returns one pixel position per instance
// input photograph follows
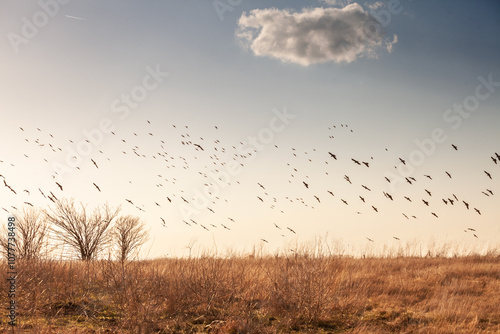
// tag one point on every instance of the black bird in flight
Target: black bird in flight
(455, 147)
(477, 210)
(371, 240)
(451, 201)
(347, 179)
(5, 183)
(305, 184)
(343, 200)
(491, 192)
(366, 164)
(489, 175)
(494, 160)
(317, 198)
(95, 164)
(60, 187)
(333, 155)
(396, 238)
(425, 202)
(53, 196)
(387, 179)
(434, 215)
(406, 216)
(403, 161)
(408, 180)
(374, 208)
(407, 198)
(427, 191)
(330, 192)
(97, 187)
(366, 187)
(362, 198)
(356, 161)
(428, 176)
(291, 230)
(388, 196)
(445, 202)
(448, 174)
(279, 228)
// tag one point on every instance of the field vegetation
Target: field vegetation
(300, 293)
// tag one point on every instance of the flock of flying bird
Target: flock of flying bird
(212, 158)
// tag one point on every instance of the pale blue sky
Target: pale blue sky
(66, 77)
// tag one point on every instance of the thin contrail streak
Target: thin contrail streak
(75, 17)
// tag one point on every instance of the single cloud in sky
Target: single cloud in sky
(314, 35)
(341, 3)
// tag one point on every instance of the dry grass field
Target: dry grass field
(295, 294)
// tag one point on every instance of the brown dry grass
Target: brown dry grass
(297, 294)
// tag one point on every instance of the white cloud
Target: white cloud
(314, 35)
(340, 3)
(375, 5)
(343, 3)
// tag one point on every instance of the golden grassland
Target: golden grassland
(268, 294)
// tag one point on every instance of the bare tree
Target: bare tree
(130, 235)
(31, 234)
(86, 233)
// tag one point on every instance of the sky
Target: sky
(216, 119)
